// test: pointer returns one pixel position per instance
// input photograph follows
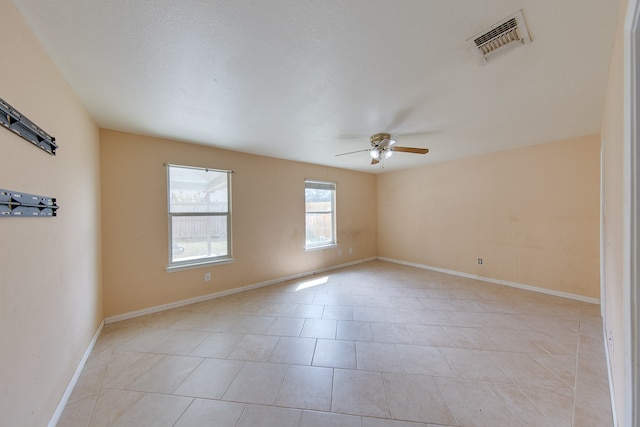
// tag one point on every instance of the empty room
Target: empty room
(374, 213)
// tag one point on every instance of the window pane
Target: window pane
(318, 200)
(197, 190)
(319, 228)
(196, 237)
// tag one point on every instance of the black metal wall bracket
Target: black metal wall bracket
(13, 203)
(13, 120)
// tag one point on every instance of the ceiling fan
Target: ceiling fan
(383, 147)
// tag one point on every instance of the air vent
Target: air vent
(499, 38)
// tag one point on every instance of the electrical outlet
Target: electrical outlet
(350, 250)
(207, 277)
(480, 261)
(339, 252)
(610, 342)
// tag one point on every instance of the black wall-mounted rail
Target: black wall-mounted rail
(13, 120)
(14, 203)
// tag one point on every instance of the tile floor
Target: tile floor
(373, 345)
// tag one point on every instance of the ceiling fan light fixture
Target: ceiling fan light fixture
(388, 153)
(375, 154)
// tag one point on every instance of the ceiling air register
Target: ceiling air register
(507, 34)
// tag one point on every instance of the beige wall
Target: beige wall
(50, 290)
(530, 213)
(267, 219)
(612, 152)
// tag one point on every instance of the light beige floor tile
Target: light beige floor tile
(319, 328)
(359, 393)
(429, 335)
(381, 422)
(154, 410)
(112, 404)
(416, 398)
(210, 379)
(276, 309)
(514, 353)
(217, 345)
(474, 338)
(396, 333)
(269, 416)
(253, 325)
(430, 317)
(146, 340)
(335, 354)
(337, 312)
(595, 366)
(309, 311)
(125, 367)
(475, 404)
(354, 331)
(556, 404)
(437, 304)
(592, 346)
(424, 360)
(226, 306)
(306, 387)
(204, 412)
(511, 340)
(257, 383)
(180, 343)
(524, 408)
(326, 299)
(90, 381)
(563, 366)
(195, 322)
(523, 369)
(161, 320)
(254, 347)
(405, 302)
(381, 315)
(222, 322)
(286, 327)
(328, 419)
(78, 413)
(558, 343)
(381, 357)
(166, 374)
(591, 400)
(473, 365)
(290, 297)
(542, 323)
(292, 350)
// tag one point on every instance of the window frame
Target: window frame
(207, 260)
(322, 185)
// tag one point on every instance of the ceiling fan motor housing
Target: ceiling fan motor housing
(378, 138)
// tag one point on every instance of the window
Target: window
(199, 215)
(320, 213)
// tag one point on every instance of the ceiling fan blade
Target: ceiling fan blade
(375, 161)
(410, 150)
(352, 152)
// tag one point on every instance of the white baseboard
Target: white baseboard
(609, 375)
(181, 303)
(74, 379)
(497, 281)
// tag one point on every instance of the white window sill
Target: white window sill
(198, 264)
(318, 248)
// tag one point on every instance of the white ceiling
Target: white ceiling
(306, 80)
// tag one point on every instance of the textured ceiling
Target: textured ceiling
(306, 80)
